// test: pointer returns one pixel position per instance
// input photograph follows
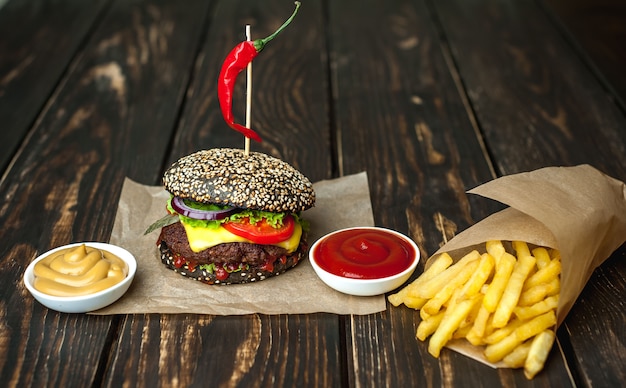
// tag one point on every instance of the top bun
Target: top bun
(229, 177)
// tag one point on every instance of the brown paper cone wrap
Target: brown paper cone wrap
(578, 210)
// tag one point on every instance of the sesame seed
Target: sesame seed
(227, 176)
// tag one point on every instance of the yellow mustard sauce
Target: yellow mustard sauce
(78, 271)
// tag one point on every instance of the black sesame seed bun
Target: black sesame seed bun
(229, 177)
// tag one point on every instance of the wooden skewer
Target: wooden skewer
(248, 96)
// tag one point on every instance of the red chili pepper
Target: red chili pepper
(236, 61)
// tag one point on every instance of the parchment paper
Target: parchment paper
(340, 203)
(578, 210)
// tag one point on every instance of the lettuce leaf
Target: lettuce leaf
(273, 219)
(165, 221)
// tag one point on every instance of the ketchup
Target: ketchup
(364, 253)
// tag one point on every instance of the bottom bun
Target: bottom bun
(249, 275)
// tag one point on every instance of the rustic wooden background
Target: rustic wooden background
(431, 98)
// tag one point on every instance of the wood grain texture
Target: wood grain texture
(539, 105)
(421, 153)
(290, 89)
(536, 101)
(32, 59)
(430, 98)
(64, 185)
(289, 112)
(597, 28)
(253, 350)
(413, 148)
(596, 325)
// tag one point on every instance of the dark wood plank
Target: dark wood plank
(596, 325)
(399, 111)
(400, 117)
(251, 350)
(290, 113)
(39, 39)
(127, 82)
(290, 92)
(598, 28)
(538, 104)
(536, 101)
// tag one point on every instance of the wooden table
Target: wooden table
(430, 98)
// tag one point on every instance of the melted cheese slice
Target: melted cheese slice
(203, 238)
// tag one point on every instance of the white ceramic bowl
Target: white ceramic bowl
(365, 287)
(83, 303)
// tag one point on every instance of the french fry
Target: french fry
(407, 294)
(518, 356)
(521, 248)
(428, 326)
(471, 317)
(555, 254)
(502, 303)
(498, 284)
(475, 335)
(536, 326)
(497, 351)
(495, 249)
(462, 331)
(430, 288)
(479, 277)
(424, 314)
(538, 353)
(410, 301)
(450, 322)
(544, 275)
(441, 314)
(433, 306)
(499, 334)
(398, 298)
(474, 339)
(528, 312)
(513, 290)
(543, 257)
(539, 293)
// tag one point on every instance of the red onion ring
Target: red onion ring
(181, 208)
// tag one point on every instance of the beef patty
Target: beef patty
(239, 252)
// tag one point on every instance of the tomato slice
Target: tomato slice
(261, 232)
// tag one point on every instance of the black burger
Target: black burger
(233, 218)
